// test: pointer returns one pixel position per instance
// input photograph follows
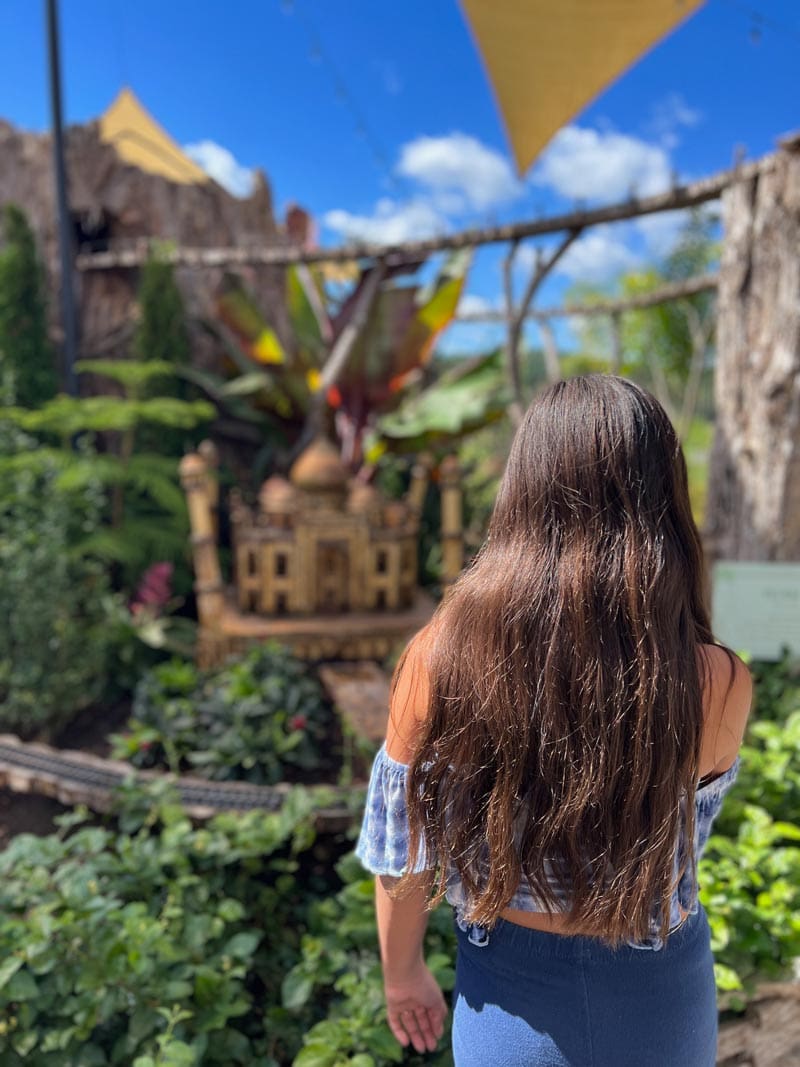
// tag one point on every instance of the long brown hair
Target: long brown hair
(563, 737)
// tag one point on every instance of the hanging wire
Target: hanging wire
(118, 16)
(760, 20)
(319, 54)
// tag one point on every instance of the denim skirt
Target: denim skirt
(524, 998)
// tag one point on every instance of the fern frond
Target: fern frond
(67, 416)
(157, 478)
(140, 541)
(132, 374)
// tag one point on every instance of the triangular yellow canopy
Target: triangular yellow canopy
(547, 59)
(140, 141)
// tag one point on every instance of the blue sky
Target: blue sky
(377, 117)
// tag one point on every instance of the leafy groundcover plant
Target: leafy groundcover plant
(262, 719)
(156, 942)
(161, 943)
(251, 940)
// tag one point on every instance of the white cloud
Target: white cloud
(221, 165)
(390, 223)
(597, 256)
(455, 175)
(461, 169)
(586, 164)
(472, 304)
(669, 115)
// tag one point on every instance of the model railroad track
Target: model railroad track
(79, 778)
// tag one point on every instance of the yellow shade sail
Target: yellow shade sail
(140, 141)
(547, 59)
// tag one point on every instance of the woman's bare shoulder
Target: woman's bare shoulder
(728, 697)
(410, 699)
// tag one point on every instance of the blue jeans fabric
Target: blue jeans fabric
(532, 999)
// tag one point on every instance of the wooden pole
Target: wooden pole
(452, 533)
(208, 576)
(418, 487)
(210, 454)
(68, 312)
(616, 342)
(754, 482)
(515, 316)
(552, 365)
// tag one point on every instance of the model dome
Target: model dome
(319, 467)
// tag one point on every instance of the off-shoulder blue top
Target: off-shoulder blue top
(383, 842)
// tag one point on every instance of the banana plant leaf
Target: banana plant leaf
(293, 377)
(463, 400)
(311, 324)
(399, 337)
(237, 309)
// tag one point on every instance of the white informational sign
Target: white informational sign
(756, 608)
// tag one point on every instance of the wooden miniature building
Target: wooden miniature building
(321, 561)
(319, 546)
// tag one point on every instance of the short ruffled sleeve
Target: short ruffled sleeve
(383, 842)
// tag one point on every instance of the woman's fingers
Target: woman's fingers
(437, 1017)
(416, 1026)
(397, 1028)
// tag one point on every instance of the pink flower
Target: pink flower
(298, 722)
(155, 588)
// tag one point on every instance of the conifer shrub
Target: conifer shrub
(55, 601)
(25, 349)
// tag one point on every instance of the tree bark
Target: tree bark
(754, 490)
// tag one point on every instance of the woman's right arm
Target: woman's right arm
(415, 1006)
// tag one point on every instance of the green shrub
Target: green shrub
(25, 348)
(750, 874)
(340, 972)
(55, 646)
(113, 943)
(261, 719)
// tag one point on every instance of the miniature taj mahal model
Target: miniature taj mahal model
(322, 562)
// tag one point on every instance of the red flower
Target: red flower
(298, 722)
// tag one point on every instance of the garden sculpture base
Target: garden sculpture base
(367, 635)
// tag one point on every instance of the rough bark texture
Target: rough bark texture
(112, 201)
(754, 490)
(769, 1033)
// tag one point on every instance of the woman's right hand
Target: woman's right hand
(415, 1008)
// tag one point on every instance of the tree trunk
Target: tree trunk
(754, 488)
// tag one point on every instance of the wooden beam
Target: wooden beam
(681, 196)
(672, 291)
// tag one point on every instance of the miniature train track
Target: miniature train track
(79, 778)
(359, 692)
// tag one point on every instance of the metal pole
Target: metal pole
(68, 313)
